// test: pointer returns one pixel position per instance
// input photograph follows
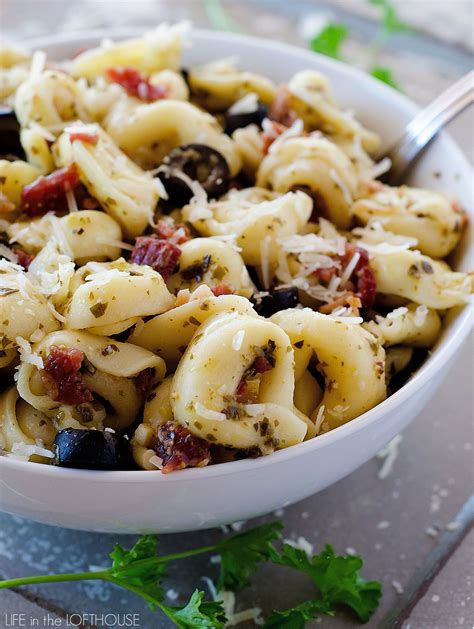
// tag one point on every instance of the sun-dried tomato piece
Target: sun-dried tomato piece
(351, 249)
(178, 448)
(325, 274)
(280, 110)
(241, 389)
(175, 232)
(135, 84)
(84, 136)
(271, 134)
(223, 289)
(363, 277)
(48, 194)
(24, 259)
(366, 286)
(144, 380)
(161, 255)
(61, 376)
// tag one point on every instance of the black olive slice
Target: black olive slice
(280, 298)
(236, 120)
(200, 163)
(92, 450)
(10, 147)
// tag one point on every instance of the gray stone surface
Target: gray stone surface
(449, 601)
(386, 521)
(17, 611)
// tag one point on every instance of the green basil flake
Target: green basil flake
(98, 310)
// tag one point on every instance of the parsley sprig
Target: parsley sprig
(329, 41)
(142, 571)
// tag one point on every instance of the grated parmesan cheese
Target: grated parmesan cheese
(294, 131)
(380, 168)
(389, 455)
(71, 199)
(38, 62)
(115, 243)
(319, 419)
(156, 461)
(350, 268)
(24, 451)
(26, 353)
(420, 315)
(342, 186)
(228, 603)
(238, 340)
(302, 544)
(245, 105)
(208, 413)
(8, 254)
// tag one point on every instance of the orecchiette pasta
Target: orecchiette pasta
(414, 325)
(351, 360)
(169, 334)
(50, 99)
(37, 150)
(205, 226)
(14, 176)
(427, 216)
(125, 192)
(205, 382)
(421, 279)
(110, 370)
(318, 164)
(255, 217)
(313, 101)
(213, 262)
(23, 309)
(21, 425)
(152, 130)
(249, 143)
(14, 69)
(156, 50)
(52, 272)
(84, 236)
(216, 86)
(115, 292)
(157, 412)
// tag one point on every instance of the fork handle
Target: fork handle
(426, 124)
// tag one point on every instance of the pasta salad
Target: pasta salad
(200, 265)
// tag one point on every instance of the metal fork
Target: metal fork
(425, 125)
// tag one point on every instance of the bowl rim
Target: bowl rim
(444, 351)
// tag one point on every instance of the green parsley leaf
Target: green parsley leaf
(336, 577)
(138, 570)
(391, 23)
(219, 17)
(385, 75)
(329, 41)
(296, 617)
(241, 553)
(197, 613)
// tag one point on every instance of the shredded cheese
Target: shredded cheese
(26, 353)
(8, 254)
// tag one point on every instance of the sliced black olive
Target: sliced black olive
(92, 450)
(185, 73)
(200, 163)
(10, 147)
(280, 298)
(237, 120)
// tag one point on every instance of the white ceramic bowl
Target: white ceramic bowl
(199, 498)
